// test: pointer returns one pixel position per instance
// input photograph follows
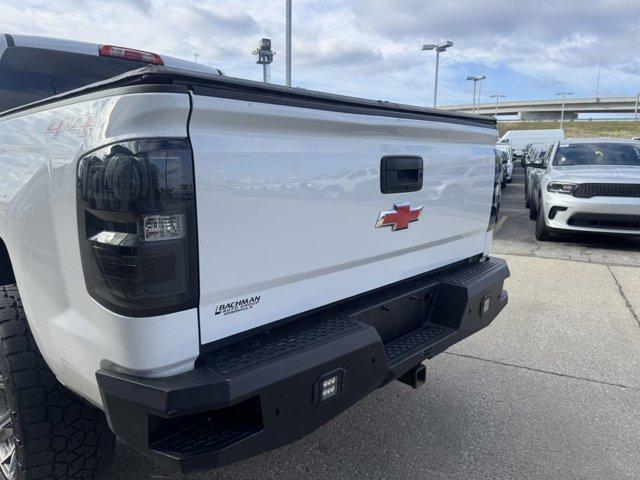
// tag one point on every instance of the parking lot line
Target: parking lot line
(500, 223)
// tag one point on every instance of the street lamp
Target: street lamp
(497, 96)
(475, 79)
(265, 58)
(288, 45)
(598, 80)
(438, 47)
(564, 98)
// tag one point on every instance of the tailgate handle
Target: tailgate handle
(399, 174)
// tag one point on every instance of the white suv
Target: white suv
(589, 185)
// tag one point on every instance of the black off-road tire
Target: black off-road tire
(533, 210)
(57, 434)
(542, 231)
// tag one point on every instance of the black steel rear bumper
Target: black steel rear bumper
(264, 392)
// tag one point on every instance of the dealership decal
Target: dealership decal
(238, 305)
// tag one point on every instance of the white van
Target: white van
(518, 139)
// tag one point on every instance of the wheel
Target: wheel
(533, 211)
(542, 232)
(46, 432)
(527, 200)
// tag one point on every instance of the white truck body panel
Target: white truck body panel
(39, 225)
(255, 169)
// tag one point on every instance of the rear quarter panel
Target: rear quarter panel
(39, 151)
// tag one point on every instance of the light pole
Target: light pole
(438, 47)
(635, 111)
(265, 58)
(598, 80)
(195, 57)
(288, 46)
(497, 96)
(564, 98)
(475, 79)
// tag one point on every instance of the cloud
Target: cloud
(371, 48)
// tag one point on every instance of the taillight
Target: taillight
(137, 224)
(130, 54)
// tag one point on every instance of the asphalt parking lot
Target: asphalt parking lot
(550, 390)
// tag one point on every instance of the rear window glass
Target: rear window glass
(597, 154)
(31, 74)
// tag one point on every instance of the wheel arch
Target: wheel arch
(7, 275)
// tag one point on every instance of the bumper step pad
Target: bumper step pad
(264, 348)
(417, 341)
(204, 437)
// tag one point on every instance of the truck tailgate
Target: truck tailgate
(288, 199)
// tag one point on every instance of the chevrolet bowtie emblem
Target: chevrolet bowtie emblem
(400, 217)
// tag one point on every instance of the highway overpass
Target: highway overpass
(550, 109)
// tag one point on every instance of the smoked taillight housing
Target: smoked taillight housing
(137, 226)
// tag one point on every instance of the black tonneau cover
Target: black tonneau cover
(162, 78)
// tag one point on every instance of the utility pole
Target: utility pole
(265, 58)
(635, 111)
(195, 57)
(288, 46)
(564, 98)
(497, 96)
(438, 47)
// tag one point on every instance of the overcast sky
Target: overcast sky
(371, 48)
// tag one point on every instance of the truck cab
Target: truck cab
(33, 68)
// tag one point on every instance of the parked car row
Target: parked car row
(586, 185)
(506, 156)
(504, 173)
(519, 140)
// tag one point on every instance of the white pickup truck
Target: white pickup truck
(171, 260)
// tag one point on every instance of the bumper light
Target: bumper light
(561, 187)
(328, 386)
(485, 305)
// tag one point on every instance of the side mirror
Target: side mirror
(538, 164)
